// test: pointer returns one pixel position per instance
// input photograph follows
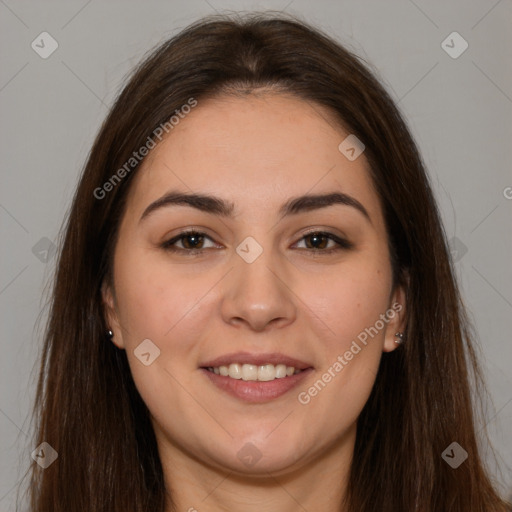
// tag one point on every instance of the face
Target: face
(264, 286)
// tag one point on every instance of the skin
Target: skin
(257, 151)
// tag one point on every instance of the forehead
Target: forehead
(256, 151)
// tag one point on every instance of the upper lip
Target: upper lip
(274, 358)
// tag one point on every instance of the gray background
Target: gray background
(459, 111)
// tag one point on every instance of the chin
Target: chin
(260, 456)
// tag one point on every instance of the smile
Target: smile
(252, 372)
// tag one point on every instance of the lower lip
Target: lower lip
(257, 391)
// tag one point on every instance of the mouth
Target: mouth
(256, 378)
(251, 372)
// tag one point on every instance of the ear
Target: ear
(397, 315)
(111, 316)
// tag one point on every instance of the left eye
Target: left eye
(316, 237)
(192, 242)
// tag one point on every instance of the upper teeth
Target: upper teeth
(263, 372)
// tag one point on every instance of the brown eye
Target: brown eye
(317, 241)
(191, 241)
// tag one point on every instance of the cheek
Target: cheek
(173, 307)
(349, 301)
(153, 297)
(350, 306)
(159, 302)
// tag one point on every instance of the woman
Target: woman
(254, 307)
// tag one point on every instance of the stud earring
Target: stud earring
(110, 334)
(400, 337)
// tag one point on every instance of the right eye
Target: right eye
(192, 242)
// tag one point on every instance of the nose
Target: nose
(258, 295)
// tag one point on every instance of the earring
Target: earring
(400, 337)
(110, 334)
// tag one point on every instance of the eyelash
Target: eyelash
(342, 244)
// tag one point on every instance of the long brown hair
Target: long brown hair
(87, 406)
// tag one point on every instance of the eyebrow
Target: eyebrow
(217, 206)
